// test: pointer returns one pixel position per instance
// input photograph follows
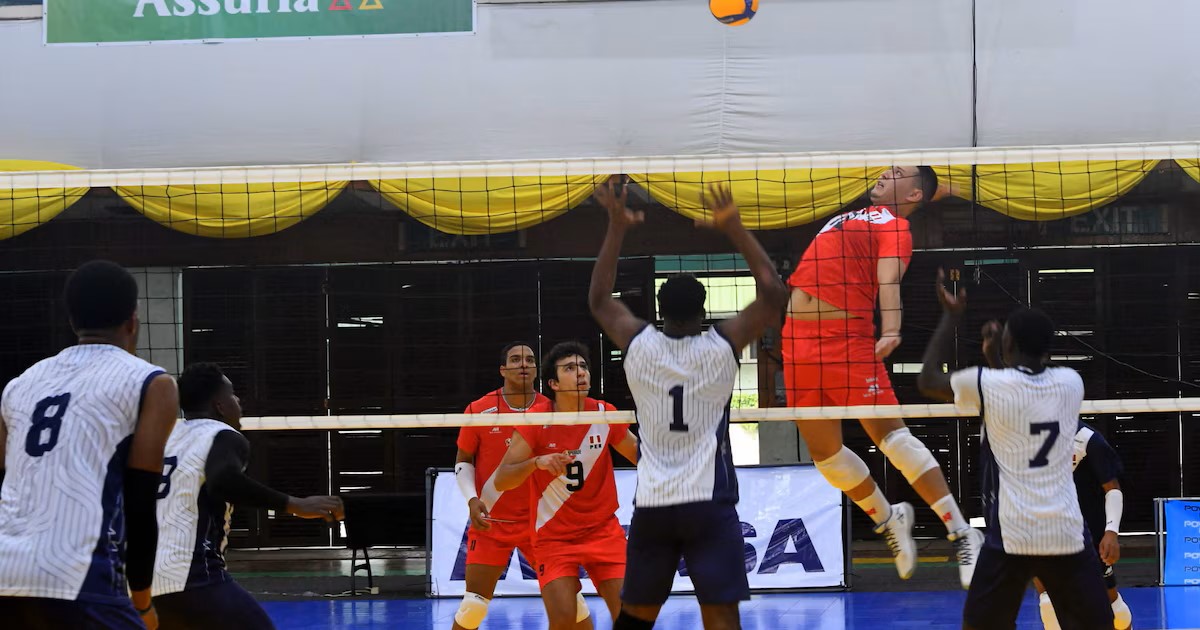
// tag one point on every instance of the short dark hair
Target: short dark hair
(681, 298)
(508, 348)
(198, 385)
(100, 295)
(927, 181)
(559, 351)
(1032, 331)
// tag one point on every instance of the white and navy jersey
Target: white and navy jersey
(1096, 463)
(682, 389)
(1029, 425)
(193, 527)
(70, 422)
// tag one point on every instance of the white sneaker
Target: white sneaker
(897, 531)
(967, 543)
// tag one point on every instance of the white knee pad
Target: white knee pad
(471, 611)
(1122, 616)
(581, 608)
(1049, 619)
(845, 470)
(907, 454)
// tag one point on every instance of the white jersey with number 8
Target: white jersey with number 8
(70, 422)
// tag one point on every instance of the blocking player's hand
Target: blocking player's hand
(886, 345)
(612, 195)
(991, 342)
(951, 303)
(327, 508)
(479, 515)
(1110, 548)
(723, 211)
(555, 463)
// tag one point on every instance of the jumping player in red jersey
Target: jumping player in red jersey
(831, 357)
(574, 517)
(499, 521)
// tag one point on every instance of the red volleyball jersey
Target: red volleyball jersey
(488, 445)
(841, 265)
(586, 496)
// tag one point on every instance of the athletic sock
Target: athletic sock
(876, 506)
(947, 510)
(625, 621)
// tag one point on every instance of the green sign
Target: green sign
(144, 21)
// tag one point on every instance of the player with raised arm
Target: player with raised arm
(1100, 499)
(574, 494)
(682, 380)
(499, 520)
(1030, 414)
(204, 476)
(82, 439)
(831, 357)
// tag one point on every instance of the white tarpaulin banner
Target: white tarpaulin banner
(791, 517)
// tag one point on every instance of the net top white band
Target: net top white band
(589, 166)
(775, 414)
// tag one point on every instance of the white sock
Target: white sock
(947, 510)
(876, 506)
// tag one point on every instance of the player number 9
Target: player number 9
(575, 475)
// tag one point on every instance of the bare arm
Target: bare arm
(891, 308)
(519, 463)
(617, 321)
(628, 448)
(770, 294)
(933, 382)
(464, 457)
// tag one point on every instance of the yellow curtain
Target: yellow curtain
(1191, 167)
(231, 210)
(768, 200)
(1046, 191)
(23, 209)
(487, 205)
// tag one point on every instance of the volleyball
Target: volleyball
(733, 12)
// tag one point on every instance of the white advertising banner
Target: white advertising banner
(792, 520)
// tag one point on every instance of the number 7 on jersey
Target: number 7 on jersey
(1043, 455)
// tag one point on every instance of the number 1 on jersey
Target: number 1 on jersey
(677, 423)
(1043, 455)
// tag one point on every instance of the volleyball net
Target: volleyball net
(358, 308)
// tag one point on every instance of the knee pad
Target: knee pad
(1049, 619)
(581, 608)
(471, 611)
(844, 471)
(907, 454)
(1122, 616)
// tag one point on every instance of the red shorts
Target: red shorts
(600, 551)
(832, 362)
(494, 547)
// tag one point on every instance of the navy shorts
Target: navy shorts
(224, 606)
(707, 536)
(1075, 584)
(36, 613)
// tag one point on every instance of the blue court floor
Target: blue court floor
(1153, 608)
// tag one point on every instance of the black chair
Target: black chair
(373, 520)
